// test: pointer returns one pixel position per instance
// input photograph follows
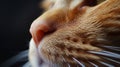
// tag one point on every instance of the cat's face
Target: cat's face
(86, 37)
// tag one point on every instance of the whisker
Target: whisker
(93, 64)
(79, 62)
(111, 60)
(106, 64)
(66, 62)
(20, 57)
(112, 54)
(112, 48)
(69, 65)
(106, 53)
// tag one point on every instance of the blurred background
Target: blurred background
(16, 17)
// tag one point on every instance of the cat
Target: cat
(74, 33)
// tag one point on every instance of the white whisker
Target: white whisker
(79, 62)
(106, 53)
(93, 64)
(111, 53)
(106, 64)
(69, 65)
(112, 48)
(21, 56)
(111, 60)
(66, 62)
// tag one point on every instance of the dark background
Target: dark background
(16, 17)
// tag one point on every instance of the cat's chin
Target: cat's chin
(51, 58)
(46, 61)
(43, 64)
(43, 61)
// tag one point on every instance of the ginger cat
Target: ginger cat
(76, 33)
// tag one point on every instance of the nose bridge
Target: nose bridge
(43, 24)
(46, 22)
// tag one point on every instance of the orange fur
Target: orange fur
(78, 29)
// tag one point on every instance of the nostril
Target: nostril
(38, 37)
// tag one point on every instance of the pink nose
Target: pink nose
(37, 30)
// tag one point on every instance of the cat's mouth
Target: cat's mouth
(107, 59)
(65, 57)
(61, 54)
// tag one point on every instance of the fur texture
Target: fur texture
(77, 33)
(82, 35)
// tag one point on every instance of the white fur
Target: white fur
(33, 54)
(34, 57)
